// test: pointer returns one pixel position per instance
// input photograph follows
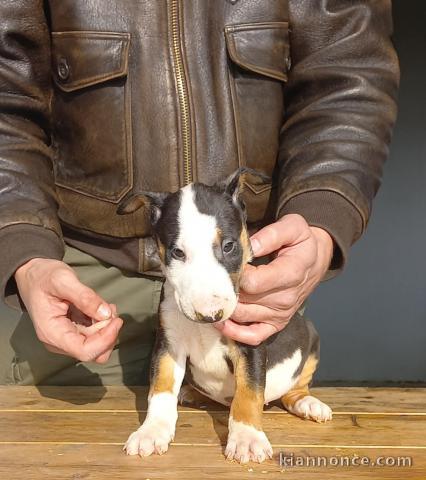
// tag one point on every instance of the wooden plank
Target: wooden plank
(341, 399)
(77, 432)
(374, 400)
(95, 462)
(76, 398)
(211, 429)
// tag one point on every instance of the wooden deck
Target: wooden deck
(77, 433)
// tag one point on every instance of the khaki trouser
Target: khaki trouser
(25, 361)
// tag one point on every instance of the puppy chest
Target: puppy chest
(208, 355)
(210, 369)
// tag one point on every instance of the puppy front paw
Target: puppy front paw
(153, 436)
(246, 443)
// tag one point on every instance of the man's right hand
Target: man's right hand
(62, 310)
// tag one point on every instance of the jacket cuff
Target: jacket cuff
(20, 243)
(332, 212)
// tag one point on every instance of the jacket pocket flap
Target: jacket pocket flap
(82, 59)
(260, 47)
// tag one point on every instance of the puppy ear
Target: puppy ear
(133, 202)
(234, 184)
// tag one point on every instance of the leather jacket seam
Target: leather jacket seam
(141, 255)
(236, 27)
(237, 125)
(128, 134)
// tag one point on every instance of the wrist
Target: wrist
(22, 271)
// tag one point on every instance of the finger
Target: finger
(88, 326)
(289, 230)
(104, 357)
(282, 273)
(101, 359)
(114, 312)
(93, 328)
(101, 342)
(91, 347)
(67, 287)
(253, 334)
(252, 313)
(275, 299)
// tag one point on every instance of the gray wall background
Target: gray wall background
(372, 319)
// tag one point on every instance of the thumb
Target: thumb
(68, 287)
(289, 230)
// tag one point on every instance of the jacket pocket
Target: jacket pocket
(258, 59)
(91, 113)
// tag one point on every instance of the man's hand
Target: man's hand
(62, 310)
(271, 294)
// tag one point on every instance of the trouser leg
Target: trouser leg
(25, 360)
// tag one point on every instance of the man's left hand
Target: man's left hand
(271, 294)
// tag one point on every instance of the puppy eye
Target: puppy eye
(178, 254)
(228, 246)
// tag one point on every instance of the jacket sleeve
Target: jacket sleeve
(341, 108)
(29, 226)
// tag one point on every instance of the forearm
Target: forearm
(341, 108)
(28, 209)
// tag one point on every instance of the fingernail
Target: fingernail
(255, 245)
(104, 312)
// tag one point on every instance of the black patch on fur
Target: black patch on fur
(230, 364)
(298, 334)
(255, 357)
(167, 227)
(209, 200)
(229, 218)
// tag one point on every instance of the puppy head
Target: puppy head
(202, 242)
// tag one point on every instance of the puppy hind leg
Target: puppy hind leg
(299, 401)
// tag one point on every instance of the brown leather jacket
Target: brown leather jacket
(101, 98)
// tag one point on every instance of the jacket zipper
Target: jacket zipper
(182, 89)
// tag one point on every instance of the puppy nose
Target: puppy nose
(209, 319)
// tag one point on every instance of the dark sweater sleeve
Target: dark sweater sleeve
(340, 111)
